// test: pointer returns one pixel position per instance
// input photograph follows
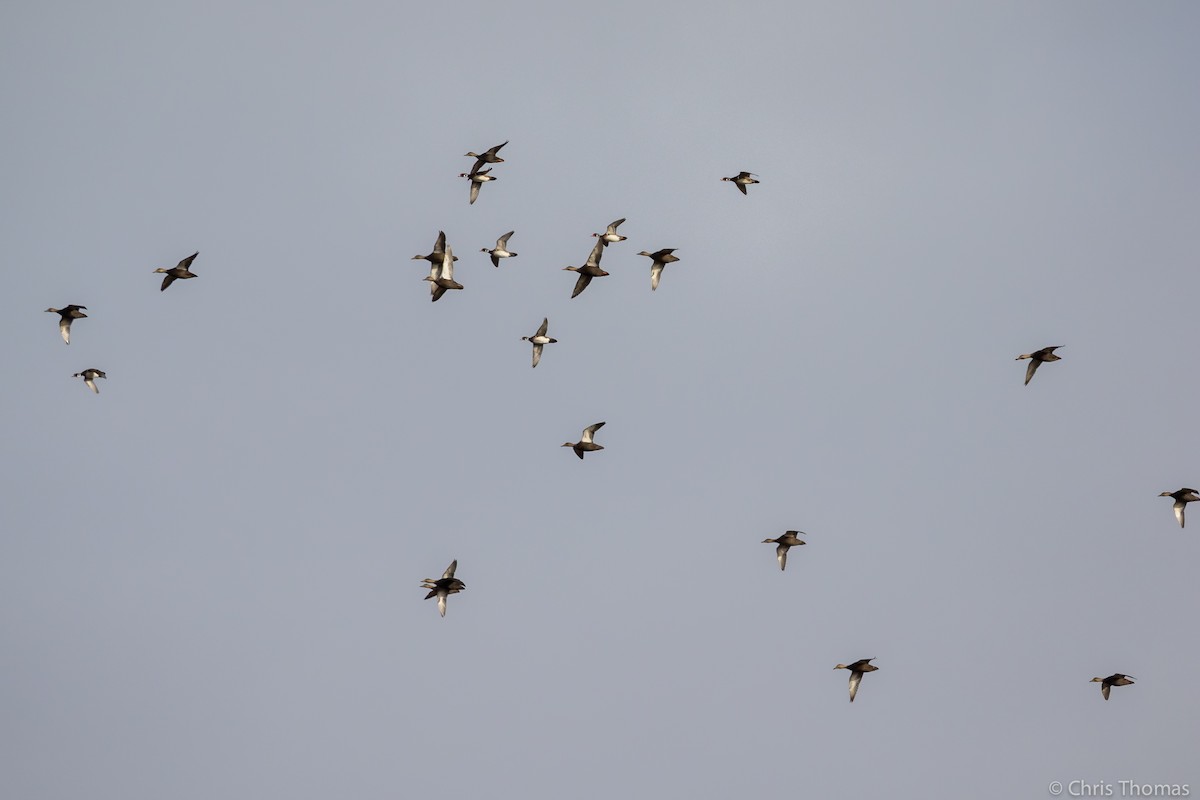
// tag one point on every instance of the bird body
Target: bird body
(857, 670)
(67, 315)
(538, 339)
(1116, 679)
(785, 543)
(1036, 358)
(742, 180)
(610, 236)
(1182, 498)
(660, 259)
(500, 250)
(439, 251)
(443, 587)
(89, 377)
(477, 179)
(178, 272)
(590, 269)
(486, 157)
(585, 443)
(441, 277)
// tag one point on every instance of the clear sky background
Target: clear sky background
(209, 573)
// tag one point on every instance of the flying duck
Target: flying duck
(741, 180)
(785, 542)
(179, 271)
(89, 377)
(441, 277)
(439, 250)
(1182, 498)
(611, 235)
(660, 258)
(585, 443)
(856, 672)
(500, 250)
(1116, 679)
(487, 157)
(537, 340)
(443, 587)
(590, 269)
(1036, 358)
(477, 179)
(71, 312)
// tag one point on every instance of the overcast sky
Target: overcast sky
(209, 573)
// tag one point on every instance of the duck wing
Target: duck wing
(593, 259)
(581, 284)
(1034, 363)
(590, 431)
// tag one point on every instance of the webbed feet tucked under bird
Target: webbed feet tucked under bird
(585, 443)
(500, 250)
(1036, 358)
(441, 277)
(66, 316)
(178, 272)
(742, 180)
(660, 259)
(611, 235)
(1182, 498)
(538, 339)
(443, 587)
(439, 251)
(89, 377)
(857, 669)
(486, 157)
(1116, 679)
(590, 269)
(785, 542)
(477, 179)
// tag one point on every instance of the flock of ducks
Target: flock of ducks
(441, 278)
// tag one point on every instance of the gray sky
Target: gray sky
(209, 572)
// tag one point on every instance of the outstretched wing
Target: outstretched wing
(581, 284)
(590, 431)
(1032, 368)
(593, 259)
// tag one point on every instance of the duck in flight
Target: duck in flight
(742, 180)
(89, 377)
(439, 251)
(500, 250)
(857, 670)
(178, 272)
(660, 259)
(785, 543)
(443, 587)
(441, 277)
(1116, 679)
(1036, 358)
(477, 180)
(538, 339)
(66, 316)
(486, 157)
(1182, 498)
(610, 236)
(590, 269)
(585, 443)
